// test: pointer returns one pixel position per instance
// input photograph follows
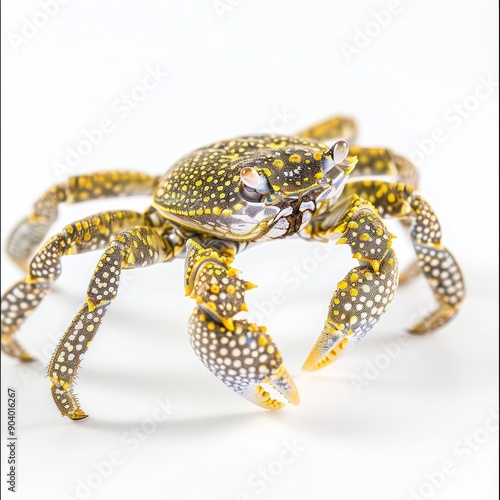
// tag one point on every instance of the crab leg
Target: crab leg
(24, 296)
(373, 162)
(332, 128)
(436, 262)
(30, 232)
(366, 291)
(240, 354)
(139, 246)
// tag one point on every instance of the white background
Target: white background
(236, 67)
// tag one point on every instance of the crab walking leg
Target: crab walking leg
(436, 263)
(382, 162)
(373, 162)
(25, 295)
(136, 247)
(366, 291)
(332, 128)
(240, 354)
(30, 232)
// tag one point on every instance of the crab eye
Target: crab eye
(250, 177)
(254, 185)
(339, 152)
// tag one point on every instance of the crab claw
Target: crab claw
(244, 359)
(327, 348)
(357, 304)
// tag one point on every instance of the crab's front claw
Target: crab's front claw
(357, 304)
(329, 345)
(244, 358)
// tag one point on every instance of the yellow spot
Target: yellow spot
(336, 313)
(318, 156)
(341, 241)
(336, 301)
(354, 277)
(365, 237)
(353, 292)
(226, 211)
(353, 319)
(214, 289)
(274, 145)
(211, 326)
(216, 210)
(343, 284)
(278, 163)
(238, 206)
(262, 340)
(352, 225)
(198, 183)
(295, 159)
(319, 175)
(391, 198)
(230, 289)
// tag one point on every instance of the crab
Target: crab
(209, 206)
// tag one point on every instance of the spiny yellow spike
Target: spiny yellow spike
(249, 285)
(233, 272)
(244, 307)
(341, 241)
(228, 323)
(187, 290)
(341, 228)
(262, 341)
(90, 304)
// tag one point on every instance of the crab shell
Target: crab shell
(203, 191)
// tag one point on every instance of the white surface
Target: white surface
(226, 77)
